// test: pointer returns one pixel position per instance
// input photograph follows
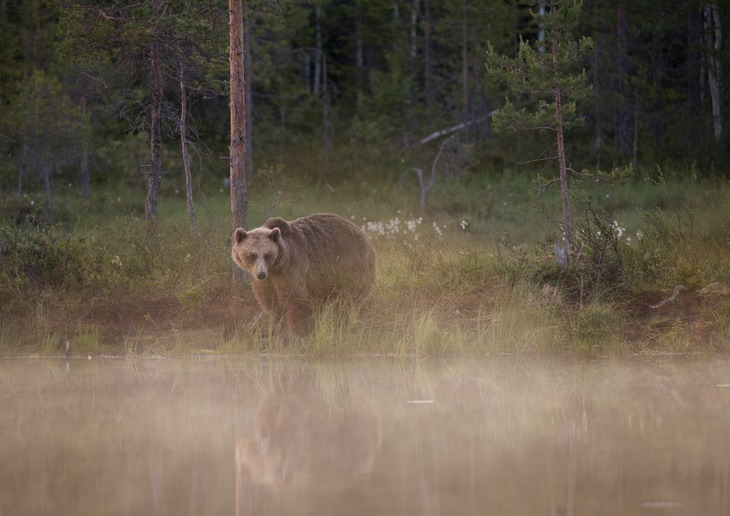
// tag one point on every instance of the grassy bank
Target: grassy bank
(474, 274)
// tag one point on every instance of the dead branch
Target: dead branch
(424, 186)
(454, 128)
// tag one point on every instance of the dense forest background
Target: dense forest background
(342, 88)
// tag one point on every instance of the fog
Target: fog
(365, 436)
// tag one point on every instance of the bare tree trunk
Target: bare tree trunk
(464, 60)
(622, 122)
(598, 50)
(85, 175)
(713, 44)
(85, 179)
(46, 173)
(414, 29)
(564, 192)
(239, 187)
(326, 128)
(694, 76)
(184, 145)
(319, 53)
(428, 56)
(23, 168)
(359, 50)
(249, 106)
(153, 183)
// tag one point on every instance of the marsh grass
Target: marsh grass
(474, 275)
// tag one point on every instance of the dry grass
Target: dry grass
(448, 283)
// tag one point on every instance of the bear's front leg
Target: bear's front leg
(269, 303)
(298, 311)
(265, 294)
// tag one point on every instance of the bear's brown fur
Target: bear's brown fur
(300, 264)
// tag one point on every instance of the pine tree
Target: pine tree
(546, 74)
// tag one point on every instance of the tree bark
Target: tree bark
(153, 183)
(46, 173)
(464, 60)
(238, 158)
(694, 76)
(326, 126)
(428, 86)
(85, 177)
(713, 44)
(319, 51)
(623, 138)
(185, 156)
(249, 105)
(597, 94)
(564, 192)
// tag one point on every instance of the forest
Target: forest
(359, 80)
(419, 110)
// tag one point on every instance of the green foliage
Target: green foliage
(46, 257)
(543, 73)
(46, 131)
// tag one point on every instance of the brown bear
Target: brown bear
(298, 265)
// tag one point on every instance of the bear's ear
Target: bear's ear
(278, 222)
(275, 234)
(239, 235)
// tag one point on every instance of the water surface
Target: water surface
(260, 436)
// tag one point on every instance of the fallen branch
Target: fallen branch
(677, 290)
(454, 128)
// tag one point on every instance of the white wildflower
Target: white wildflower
(617, 229)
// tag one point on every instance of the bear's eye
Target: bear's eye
(267, 257)
(251, 257)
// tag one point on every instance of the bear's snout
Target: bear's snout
(261, 275)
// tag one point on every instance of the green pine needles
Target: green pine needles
(546, 72)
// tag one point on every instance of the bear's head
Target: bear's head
(256, 251)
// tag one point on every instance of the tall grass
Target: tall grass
(472, 275)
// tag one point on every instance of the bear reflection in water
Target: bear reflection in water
(302, 441)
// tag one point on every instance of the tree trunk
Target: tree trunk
(428, 86)
(564, 192)
(185, 157)
(85, 179)
(319, 52)
(414, 29)
(713, 44)
(623, 138)
(597, 118)
(326, 127)
(239, 187)
(23, 168)
(153, 183)
(46, 173)
(464, 61)
(694, 77)
(249, 105)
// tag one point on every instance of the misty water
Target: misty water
(365, 436)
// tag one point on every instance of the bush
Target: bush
(44, 257)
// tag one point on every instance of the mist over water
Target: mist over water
(507, 435)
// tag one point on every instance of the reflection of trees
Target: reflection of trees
(302, 440)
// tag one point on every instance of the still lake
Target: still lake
(365, 436)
